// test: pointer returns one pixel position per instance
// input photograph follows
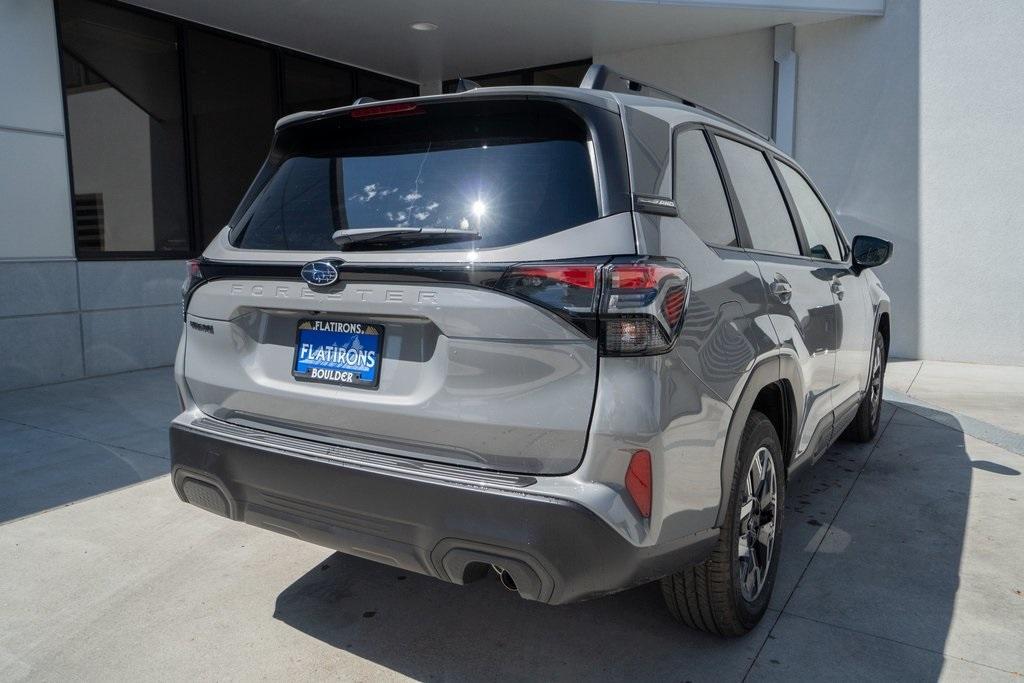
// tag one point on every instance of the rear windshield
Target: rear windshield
(511, 170)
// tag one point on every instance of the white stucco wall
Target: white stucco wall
(731, 73)
(909, 124)
(35, 205)
(857, 136)
(972, 180)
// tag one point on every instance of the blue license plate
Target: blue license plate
(338, 352)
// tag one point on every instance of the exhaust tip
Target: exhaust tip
(506, 579)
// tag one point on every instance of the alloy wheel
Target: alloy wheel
(758, 517)
(876, 380)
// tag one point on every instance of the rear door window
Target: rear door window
(760, 198)
(512, 171)
(818, 228)
(699, 193)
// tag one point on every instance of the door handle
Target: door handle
(837, 288)
(781, 288)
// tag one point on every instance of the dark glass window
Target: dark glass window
(514, 171)
(382, 88)
(233, 106)
(139, 189)
(568, 74)
(310, 85)
(699, 193)
(764, 209)
(124, 112)
(818, 228)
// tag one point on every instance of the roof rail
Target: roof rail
(600, 77)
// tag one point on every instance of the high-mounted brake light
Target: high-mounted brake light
(638, 481)
(634, 306)
(382, 110)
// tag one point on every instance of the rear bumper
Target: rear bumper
(556, 550)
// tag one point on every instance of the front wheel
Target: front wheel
(729, 593)
(869, 414)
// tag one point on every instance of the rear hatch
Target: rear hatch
(444, 347)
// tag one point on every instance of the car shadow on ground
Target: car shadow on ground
(882, 562)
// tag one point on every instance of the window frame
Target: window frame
(844, 247)
(181, 28)
(726, 188)
(744, 233)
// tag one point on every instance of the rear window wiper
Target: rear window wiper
(401, 234)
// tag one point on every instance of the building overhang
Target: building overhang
(485, 36)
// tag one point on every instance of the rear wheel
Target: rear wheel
(729, 593)
(869, 415)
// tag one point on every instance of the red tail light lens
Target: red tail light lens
(642, 306)
(636, 307)
(193, 277)
(383, 110)
(638, 481)
(563, 287)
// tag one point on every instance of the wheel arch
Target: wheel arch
(771, 388)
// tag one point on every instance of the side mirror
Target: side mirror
(870, 252)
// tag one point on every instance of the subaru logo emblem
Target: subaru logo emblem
(320, 273)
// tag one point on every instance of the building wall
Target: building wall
(61, 319)
(857, 136)
(732, 73)
(909, 124)
(34, 192)
(972, 180)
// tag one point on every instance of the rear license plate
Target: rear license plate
(338, 352)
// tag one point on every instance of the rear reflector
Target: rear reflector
(638, 481)
(382, 110)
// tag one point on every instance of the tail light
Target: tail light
(635, 307)
(638, 481)
(193, 278)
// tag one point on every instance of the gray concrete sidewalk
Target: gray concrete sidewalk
(902, 560)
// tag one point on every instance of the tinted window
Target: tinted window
(760, 198)
(125, 127)
(821, 235)
(514, 171)
(699, 193)
(381, 88)
(310, 85)
(233, 91)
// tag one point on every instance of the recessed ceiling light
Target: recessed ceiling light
(423, 26)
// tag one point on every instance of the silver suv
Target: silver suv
(581, 337)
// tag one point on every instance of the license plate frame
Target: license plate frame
(305, 370)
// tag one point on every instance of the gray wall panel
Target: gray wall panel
(37, 287)
(130, 339)
(35, 204)
(30, 94)
(122, 284)
(39, 350)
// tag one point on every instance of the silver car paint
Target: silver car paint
(682, 406)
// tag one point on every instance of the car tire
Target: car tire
(712, 596)
(869, 414)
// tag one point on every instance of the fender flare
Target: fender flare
(766, 372)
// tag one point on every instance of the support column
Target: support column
(784, 88)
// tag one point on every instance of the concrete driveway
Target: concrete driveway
(903, 560)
